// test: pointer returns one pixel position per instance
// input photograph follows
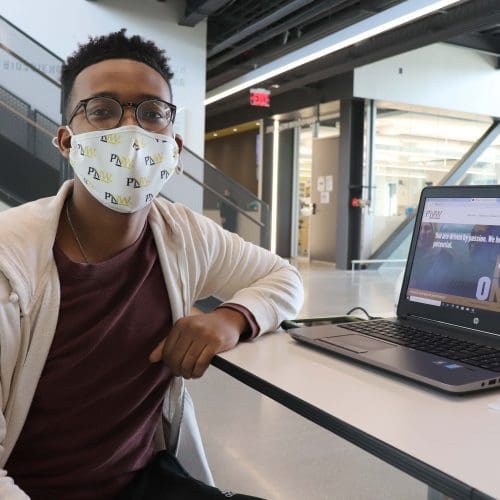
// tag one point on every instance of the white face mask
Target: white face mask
(123, 168)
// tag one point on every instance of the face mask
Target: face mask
(124, 168)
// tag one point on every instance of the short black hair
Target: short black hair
(116, 45)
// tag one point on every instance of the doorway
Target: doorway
(306, 136)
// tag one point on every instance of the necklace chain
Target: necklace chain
(75, 234)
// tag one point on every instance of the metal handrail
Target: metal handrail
(213, 167)
(222, 197)
(375, 261)
(30, 66)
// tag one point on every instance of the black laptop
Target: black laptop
(447, 330)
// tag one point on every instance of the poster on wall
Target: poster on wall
(329, 183)
(324, 197)
(321, 183)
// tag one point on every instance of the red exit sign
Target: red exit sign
(260, 97)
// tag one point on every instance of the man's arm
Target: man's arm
(194, 340)
(225, 266)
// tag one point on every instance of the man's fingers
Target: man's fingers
(156, 354)
(202, 362)
(190, 360)
(174, 351)
(194, 340)
(166, 344)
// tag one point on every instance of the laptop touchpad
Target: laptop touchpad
(357, 343)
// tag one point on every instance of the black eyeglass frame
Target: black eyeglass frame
(135, 105)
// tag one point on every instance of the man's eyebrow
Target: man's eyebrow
(103, 94)
(140, 97)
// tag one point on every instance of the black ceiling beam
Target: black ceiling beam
(484, 43)
(342, 19)
(261, 24)
(338, 87)
(473, 16)
(316, 10)
(197, 10)
(473, 6)
(343, 13)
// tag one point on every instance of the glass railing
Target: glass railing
(230, 204)
(28, 128)
(30, 71)
(36, 168)
(415, 149)
(485, 170)
(29, 115)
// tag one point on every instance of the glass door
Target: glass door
(306, 135)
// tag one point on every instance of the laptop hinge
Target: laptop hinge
(458, 328)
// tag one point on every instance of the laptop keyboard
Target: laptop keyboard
(433, 343)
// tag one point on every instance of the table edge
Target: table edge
(416, 468)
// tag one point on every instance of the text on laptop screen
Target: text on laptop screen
(457, 255)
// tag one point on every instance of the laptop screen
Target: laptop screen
(457, 255)
(453, 271)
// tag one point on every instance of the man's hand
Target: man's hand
(195, 340)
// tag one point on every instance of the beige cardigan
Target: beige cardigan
(198, 260)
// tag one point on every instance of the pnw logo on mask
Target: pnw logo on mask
(86, 151)
(100, 175)
(138, 182)
(156, 159)
(138, 143)
(111, 138)
(121, 161)
(124, 201)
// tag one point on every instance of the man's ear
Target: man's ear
(179, 141)
(64, 141)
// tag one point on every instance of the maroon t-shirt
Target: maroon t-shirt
(98, 401)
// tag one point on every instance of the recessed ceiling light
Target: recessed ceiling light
(275, 85)
(215, 134)
(235, 130)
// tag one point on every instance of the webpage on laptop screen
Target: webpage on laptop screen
(457, 256)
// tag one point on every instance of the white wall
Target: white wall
(439, 75)
(60, 25)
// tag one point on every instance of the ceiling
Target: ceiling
(243, 35)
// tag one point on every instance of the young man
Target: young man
(96, 286)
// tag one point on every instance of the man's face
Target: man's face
(125, 80)
(426, 236)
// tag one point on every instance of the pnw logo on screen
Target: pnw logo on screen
(433, 214)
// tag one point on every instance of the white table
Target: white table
(451, 443)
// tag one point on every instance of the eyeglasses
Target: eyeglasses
(105, 113)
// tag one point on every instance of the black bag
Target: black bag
(164, 478)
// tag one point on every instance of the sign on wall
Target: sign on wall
(260, 97)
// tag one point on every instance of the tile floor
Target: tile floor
(257, 446)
